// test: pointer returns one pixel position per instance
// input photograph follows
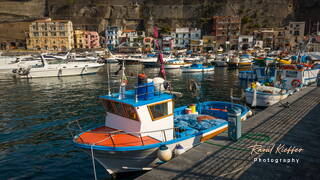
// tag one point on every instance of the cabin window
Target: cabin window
(291, 74)
(130, 112)
(108, 106)
(159, 111)
(118, 109)
(121, 109)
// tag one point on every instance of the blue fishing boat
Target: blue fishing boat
(198, 68)
(142, 128)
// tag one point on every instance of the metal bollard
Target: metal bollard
(234, 123)
(318, 80)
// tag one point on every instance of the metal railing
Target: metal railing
(142, 91)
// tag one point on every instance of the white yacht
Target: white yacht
(56, 69)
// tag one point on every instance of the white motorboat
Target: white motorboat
(221, 60)
(16, 64)
(176, 64)
(56, 69)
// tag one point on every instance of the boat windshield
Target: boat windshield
(56, 62)
(120, 109)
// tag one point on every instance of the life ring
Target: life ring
(193, 87)
(295, 83)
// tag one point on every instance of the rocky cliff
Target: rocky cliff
(96, 14)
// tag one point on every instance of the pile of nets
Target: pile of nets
(189, 124)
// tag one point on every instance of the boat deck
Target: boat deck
(102, 136)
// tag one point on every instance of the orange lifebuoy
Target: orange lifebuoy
(295, 83)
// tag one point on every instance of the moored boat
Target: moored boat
(175, 64)
(141, 123)
(56, 69)
(198, 68)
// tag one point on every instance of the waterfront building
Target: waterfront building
(112, 35)
(167, 42)
(295, 34)
(50, 35)
(86, 39)
(196, 43)
(266, 35)
(272, 38)
(130, 37)
(183, 37)
(245, 42)
(209, 43)
(227, 31)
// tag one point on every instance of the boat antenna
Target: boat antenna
(123, 83)
(108, 75)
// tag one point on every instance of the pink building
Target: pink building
(92, 39)
(87, 39)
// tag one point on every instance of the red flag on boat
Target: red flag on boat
(155, 32)
(162, 72)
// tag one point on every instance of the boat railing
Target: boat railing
(75, 129)
(142, 91)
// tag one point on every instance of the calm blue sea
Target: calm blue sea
(34, 140)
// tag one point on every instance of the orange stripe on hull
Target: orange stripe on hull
(205, 138)
(101, 136)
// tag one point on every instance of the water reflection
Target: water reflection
(34, 142)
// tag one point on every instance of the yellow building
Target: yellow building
(50, 35)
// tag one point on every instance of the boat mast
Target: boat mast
(108, 75)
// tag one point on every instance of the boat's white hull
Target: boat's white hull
(9, 67)
(126, 161)
(221, 63)
(187, 70)
(173, 66)
(264, 99)
(41, 72)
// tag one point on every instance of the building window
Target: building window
(36, 34)
(61, 27)
(53, 34)
(296, 33)
(45, 34)
(62, 34)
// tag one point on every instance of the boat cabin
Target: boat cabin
(296, 75)
(141, 112)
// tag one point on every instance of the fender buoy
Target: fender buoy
(164, 153)
(295, 83)
(179, 150)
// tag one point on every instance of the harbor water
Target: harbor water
(34, 140)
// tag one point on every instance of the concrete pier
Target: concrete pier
(293, 129)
